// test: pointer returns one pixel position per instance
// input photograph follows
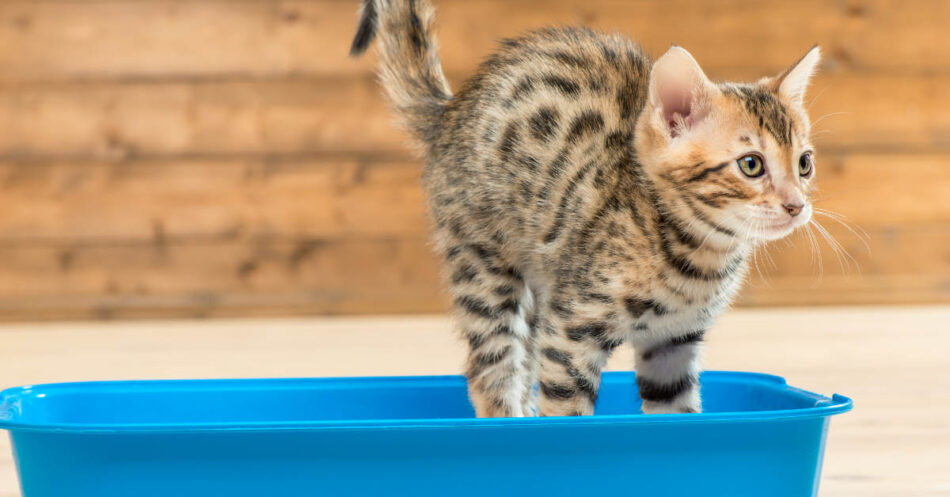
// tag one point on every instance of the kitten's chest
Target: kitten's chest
(694, 307)
(692, 318)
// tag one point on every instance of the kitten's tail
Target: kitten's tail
(409, 65)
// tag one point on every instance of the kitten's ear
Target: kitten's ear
(680, 91)
(791, 84)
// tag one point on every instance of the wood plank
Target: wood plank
(744, 38)
(164, 201)
(879, 191)
(901, 265)
(861, 113)
(849, 289)
(116, 120)
(265, 276)
(893, 250)
(174, 199)
(219, 278)
(129, 119)
(63, 39)
(157, 38)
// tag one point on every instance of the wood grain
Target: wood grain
(173, 199)
(111, 120)
(63, 39)
(172, 158)
(218, 277)
(119, 120)
(153, 201)
(272, 276)
(884, 190)
(891, 361)
(263, 237)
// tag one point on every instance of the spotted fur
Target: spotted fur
(585, 196)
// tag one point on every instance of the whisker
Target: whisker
(711, 232)
(826, 116)
(844, 257)
(842, 262)
(768, 256)
(753, 228)
(855, 229)
(817, 96)
(815, 254)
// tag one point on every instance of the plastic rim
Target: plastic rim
(824, 407)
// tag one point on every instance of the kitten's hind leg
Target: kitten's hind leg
(530, 368)
(573, 347)
(488, 295)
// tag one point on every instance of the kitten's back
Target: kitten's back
(542, 120)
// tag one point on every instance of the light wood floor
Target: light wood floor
(892, 361)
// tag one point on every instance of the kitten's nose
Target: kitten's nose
(793, 209)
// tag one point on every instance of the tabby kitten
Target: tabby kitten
(584, 196)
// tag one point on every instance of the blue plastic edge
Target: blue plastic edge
(9, 401)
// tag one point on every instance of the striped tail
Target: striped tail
(409, 65)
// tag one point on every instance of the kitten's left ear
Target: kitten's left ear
(679, 91)
(791, 84)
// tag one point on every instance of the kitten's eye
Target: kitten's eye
(805, 164)
(751, 165)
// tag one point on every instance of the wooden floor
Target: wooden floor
(892, 361)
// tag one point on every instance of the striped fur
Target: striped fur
(585, 196)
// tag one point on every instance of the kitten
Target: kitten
(584, 196)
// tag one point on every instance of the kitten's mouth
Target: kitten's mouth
(783, 225)
(780, 229)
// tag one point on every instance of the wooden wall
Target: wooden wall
(224, 157)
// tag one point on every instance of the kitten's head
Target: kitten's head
(734, 158)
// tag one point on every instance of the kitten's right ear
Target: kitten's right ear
(679, 91)
(791, 84)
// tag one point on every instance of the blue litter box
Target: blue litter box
(412, 436)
